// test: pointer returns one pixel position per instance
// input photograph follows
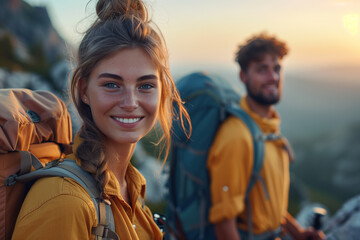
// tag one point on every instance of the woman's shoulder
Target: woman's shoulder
(60, 193)
(56, 208)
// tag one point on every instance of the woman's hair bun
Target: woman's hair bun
(112, 9)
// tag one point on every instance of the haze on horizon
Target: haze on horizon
(321, 33)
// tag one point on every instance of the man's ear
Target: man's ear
(82, 91)
(242, 75)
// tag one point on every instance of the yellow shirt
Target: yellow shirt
(60, 208)
(230, 164)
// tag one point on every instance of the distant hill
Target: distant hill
(321, 117)
(318, 102)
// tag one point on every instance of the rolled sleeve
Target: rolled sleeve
(226, 209)
(229, 164)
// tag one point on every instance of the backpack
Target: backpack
(209, 101)
(35, 136)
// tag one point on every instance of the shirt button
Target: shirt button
(134, 226)
(225, 188)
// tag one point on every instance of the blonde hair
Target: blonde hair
(121, 24)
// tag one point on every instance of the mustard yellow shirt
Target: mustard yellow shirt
(60, 208)
(230, 164)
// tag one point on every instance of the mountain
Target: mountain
(28, 41)
(319, 101)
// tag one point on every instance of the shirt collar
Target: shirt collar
(267, 125)
(136, 182)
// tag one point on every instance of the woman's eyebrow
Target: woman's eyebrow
(110, 75)
(117, 77)
(147, 77)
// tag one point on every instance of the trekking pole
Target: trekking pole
(318, 220)
(319, 214)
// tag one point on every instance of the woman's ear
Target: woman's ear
(82, 91)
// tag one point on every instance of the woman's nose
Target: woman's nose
(129, 101)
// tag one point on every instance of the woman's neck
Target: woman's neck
(118, 158)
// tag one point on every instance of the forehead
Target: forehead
(127, 61)
(267, 59)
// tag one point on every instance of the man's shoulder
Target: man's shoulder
(234, 127)
(232, 132)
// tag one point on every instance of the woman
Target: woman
(121, 87)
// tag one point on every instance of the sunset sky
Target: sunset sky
(320, 33)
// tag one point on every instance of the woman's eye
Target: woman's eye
(111, 85)
(146, 86)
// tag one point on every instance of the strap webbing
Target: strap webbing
(102, 213)
(102, 230)
(27, 160)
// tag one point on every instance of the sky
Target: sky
(320, 33)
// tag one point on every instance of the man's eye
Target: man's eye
(261, 70)
(111, 85)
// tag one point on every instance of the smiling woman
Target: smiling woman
(120, 87)
(124, 100)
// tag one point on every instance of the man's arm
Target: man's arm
(298, 233)
(227, 230)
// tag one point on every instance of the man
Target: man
(231, 156)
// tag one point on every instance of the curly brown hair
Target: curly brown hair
(256, 47)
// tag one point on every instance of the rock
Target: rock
(60, 75)
(345, 224)
(23, 80)
(151, 170)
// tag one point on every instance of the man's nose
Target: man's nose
(274, 76)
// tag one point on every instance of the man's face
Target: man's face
(263, 80)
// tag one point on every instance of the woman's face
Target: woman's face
(123, 92)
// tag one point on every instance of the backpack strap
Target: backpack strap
(68, 168)
(27, 160)
(258, 143)
(259, 148)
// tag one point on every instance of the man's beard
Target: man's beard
(261, 98)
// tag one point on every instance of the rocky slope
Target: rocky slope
(328, 166)
(29, 42)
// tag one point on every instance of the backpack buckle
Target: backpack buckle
(11, 180)
(260, 137)
(53, 163)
